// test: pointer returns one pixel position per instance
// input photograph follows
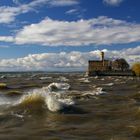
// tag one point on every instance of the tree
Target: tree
(136, 69)
(120, 64)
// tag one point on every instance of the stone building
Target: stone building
(99, 66)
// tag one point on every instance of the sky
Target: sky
(62, 35)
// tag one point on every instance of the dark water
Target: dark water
(103, 108)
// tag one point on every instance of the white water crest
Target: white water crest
(49, 96)
(6, 101)
(52, 99)
(97, 91)
(45, 78)
(56, 105)
(58, 86)
(109, 84)
(85, 80)
(55, 97)
(63, 79)
(2, 76)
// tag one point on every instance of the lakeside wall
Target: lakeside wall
(112, 73)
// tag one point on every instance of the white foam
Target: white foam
(54, 103)
(6, 101)
(96, 77)
(58, 86)
(109, 84)
(45, 78)
(67, 101)
(85, 80)
(103, 79)
(17, 115)
(86, 74)
(63, 79)
(3, 76)
(97, 91)
(116, 80)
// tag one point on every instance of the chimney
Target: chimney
(102, 57)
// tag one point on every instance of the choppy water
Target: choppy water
(59, 106)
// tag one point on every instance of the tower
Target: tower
(102, 57)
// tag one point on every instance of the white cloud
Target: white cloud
(8, 14)
(98, 31)
(16, 2)
(63, 2)
(113, 2)
(6, 39)
(66, 61)
(78, 12)
(72, 11)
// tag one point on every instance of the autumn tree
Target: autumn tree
(136, 69)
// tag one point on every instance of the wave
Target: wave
(45, 78)
(109, 84)
(6, 101)
(58, 86)
(56, 105)
(41, 98)
(55, 97)
(47, 97)
(31, 99)
(97, 91)
(63, 79)
(85, 80)
(3, 77)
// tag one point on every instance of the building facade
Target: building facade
(95, 67)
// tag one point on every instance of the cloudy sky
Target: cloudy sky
(64, 34)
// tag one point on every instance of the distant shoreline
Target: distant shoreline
(42, 72)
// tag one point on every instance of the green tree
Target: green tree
(121, 64)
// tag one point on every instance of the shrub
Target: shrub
(136, 69)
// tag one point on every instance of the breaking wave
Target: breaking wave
(54, 97)
(47, 97)
(58, 86)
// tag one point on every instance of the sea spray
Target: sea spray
(54, 101)
(5, 101)
(47, 96)
(53, 104)
(55, 97)
(58, 86)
